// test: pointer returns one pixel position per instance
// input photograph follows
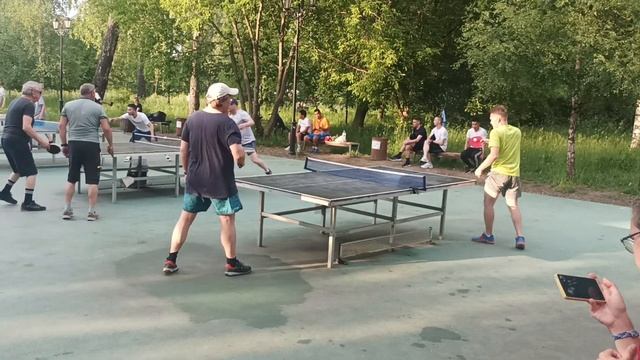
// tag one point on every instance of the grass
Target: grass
(603, 158)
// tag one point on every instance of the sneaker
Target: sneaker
(427, 165)
(6, 196)
(407, 164)
(237, 270)
(169, 267)
(424, 160)
(268, 172)
(32, 206)
(485, 239)
(298, 149)
(395, 159)
(67, 214)
(287, 148)
(92, 216)
(520, 242)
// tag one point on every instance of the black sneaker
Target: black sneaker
(237, 270)
(268, 172)
(6, 196)
(406, 164)
(32, 206)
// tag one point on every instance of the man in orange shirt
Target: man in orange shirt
(321, 129)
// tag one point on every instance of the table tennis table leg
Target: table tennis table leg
(331, 253)
(324, 216)
(114, 179)
(177, 169)
(445, 192)
(375, 211)
(260, 211)
(394, 216)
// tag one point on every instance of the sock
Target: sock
(28, 195)
(173, 256)
(91, 209)
(8, 186)
(67, 206)
(232, 262)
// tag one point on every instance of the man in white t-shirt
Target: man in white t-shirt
(245, 122)
(143, 128)
(436, 143)
(474, 146)
(302, 129)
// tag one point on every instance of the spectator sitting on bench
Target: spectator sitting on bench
(413, 144)
(321, 129)
(302, 129)
(436, 144)
(474, 147)
(143, 127)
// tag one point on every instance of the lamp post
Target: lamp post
(61, 25)
(299, 14)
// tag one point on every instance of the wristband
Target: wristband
(625, 335)
(63, 145)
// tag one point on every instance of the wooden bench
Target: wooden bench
(448, 155)
(347, 144)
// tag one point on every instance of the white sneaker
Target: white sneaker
(427, 165)
(287, 148)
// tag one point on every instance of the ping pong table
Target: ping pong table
(332, 186)
(163, 163)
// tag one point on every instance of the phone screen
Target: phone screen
(580, 287)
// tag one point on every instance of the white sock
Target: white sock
(67, 207)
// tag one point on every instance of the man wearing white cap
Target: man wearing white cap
(210, 148)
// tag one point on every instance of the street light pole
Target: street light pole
(61, 25)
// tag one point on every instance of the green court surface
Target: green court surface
(82, 290)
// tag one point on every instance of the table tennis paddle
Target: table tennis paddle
(54, 149)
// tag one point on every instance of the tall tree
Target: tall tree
(105, 60)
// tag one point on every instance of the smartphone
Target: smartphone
(579, 288)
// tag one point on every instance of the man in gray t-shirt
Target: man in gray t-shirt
(84, 117)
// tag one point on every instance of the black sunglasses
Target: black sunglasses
(628, 241)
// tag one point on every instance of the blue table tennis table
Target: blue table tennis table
(49, 128)
(330, 186)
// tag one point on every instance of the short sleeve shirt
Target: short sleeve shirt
(419, 132)
(39, 105)
(304, 124)
(13, 119)
(84, 117)
(241, 117)
(507, 140)
(141, 121)
(476, 139)
(441, 135)
(211, 165)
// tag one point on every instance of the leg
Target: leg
(92, 193)
(516, 218)
(68, 193)
(489, 213)
(256, 160)
(228, 235)
(394, 215)
(331, 252)
(181, 230)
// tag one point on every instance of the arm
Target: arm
(184, 155)
(247, 124)
(107, 133)
(495, 152)
(238, 154)
(28, 129)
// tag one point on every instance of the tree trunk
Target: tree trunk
(255, 32)
(141, 83)
(243, 63)
(573, 122)
(194, 99)
(635, 137)
(109, 45)
(238, 75)
(361, 113)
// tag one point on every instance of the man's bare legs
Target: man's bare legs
(228, 235)
(516, 218)
(181, 230)
(489, 213)
(256, 160)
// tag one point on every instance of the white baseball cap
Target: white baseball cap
(218, 90)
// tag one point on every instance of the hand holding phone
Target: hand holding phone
(579, 288)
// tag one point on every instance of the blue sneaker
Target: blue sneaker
(484, 239)
(520, 242)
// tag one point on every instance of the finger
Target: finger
(592, 276)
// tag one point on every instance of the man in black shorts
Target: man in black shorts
(84, 117)
(413, 144)
(210, 148)
(16, 142)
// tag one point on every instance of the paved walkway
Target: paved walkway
(80, 290)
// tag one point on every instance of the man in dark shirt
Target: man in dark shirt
(414, 143)
(210, 148)
(16, 142)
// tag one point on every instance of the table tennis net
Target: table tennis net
(383, 177)
(159, 141)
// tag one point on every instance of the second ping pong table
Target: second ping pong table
(163, 162)
(331, 186)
